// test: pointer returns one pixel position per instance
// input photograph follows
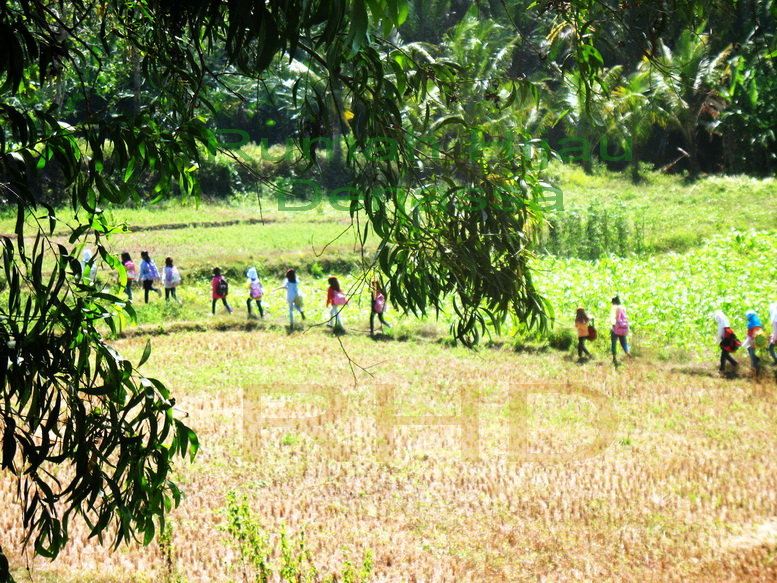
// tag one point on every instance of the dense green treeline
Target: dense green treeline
(696, 98)
(702, 102)
(663, 85)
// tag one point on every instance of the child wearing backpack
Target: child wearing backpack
(293, 295)
(171, 278)
(148, 274)
(335, 298)
(754, 330)
(255, 291)
(220, 291)
(581, 323)
(619, 329)
(727, 340)
(88, 267)
(129, 268)
(377, 305)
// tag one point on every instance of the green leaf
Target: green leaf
(146, 353)
(359, 23)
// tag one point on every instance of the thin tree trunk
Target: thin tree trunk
(137, 79)
(636, 177)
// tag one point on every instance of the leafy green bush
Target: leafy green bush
(561, 339)
(593, 232)
(258, 163)
(217, 175)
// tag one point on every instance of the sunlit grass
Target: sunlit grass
(683, 490)
(677, 214)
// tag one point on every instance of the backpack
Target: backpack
(222, 287)
(153, 272)
(339, 299)
(379, 304)
(256, 289)
(621, 327)
(129, 267)
(172, 277)
(730, 342)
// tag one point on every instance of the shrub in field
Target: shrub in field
(287, 559)
(171, 574)
(561, 339)
(217, 175)
(316, 270)
(256, 163)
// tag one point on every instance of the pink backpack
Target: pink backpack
(129, 267)
(621, 327)
(380, 303)
(256, 289)
(339, 299)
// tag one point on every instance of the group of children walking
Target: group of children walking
(619, 329)
(148, 275)
(726, 338)
(336, 300)
(756, 338)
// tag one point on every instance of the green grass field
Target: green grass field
(678, 215)
(549, 469)
(690, 267)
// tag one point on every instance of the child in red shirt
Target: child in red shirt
(220, 291)
(336, 299)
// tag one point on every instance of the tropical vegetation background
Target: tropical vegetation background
(693, 96)
(690, 98)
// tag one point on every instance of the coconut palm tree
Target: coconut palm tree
(586, 120)
(637, 112)
(685, 81)
(481, 95)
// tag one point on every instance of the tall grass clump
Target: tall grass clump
(593, 232)
(171, 573)
(284, 558)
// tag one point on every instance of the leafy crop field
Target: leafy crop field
(547, 469)
(671, 297)
(677, 215)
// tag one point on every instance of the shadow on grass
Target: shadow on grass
(527, 348)
(381, 337)
(252, 325)
(701, 370)
(764, 374)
